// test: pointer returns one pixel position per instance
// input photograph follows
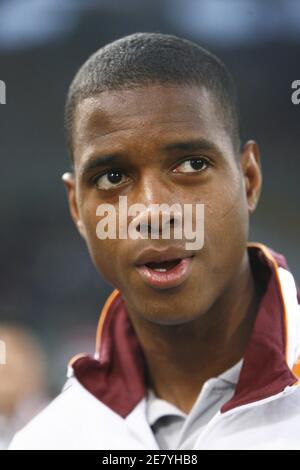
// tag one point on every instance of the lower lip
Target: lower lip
(167, 279)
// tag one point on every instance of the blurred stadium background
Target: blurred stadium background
(48, 283)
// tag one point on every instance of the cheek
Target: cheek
(225, 211)
(107, 254)
(104, 254)
(228, 211)
(228, 205)
(226, 227)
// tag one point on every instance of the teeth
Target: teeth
(161, 270)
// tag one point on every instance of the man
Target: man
(196, 349)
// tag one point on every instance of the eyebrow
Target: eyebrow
(189, 145)
(193, 144)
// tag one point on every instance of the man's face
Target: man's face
(141, 128)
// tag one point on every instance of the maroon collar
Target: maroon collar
(117, 379)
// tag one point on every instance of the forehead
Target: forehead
(153, 114)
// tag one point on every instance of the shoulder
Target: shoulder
(63, 423)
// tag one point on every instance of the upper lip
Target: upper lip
(150, 255)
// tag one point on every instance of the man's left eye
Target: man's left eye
(192, 165)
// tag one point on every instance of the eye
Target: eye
(192, 165)
(110, 179)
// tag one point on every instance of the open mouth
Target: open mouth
(166, 274)
(163, 266)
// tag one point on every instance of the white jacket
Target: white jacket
(103, 405)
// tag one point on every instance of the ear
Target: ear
(69, 182)
(251, 168)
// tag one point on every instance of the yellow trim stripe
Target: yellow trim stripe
(74, 358)
(103, 316)
(296, 368)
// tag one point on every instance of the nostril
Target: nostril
(143, 228)
(156, 224)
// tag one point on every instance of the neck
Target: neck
(181, 358)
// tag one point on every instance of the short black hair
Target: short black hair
(148, 58)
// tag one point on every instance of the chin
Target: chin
(169, 319)
(171, 311)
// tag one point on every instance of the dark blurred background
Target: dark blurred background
(48, 283)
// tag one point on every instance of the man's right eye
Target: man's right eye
(110, 179)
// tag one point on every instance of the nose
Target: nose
(159, 212)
